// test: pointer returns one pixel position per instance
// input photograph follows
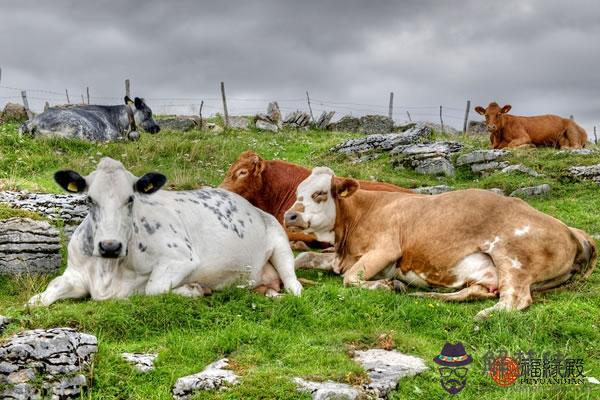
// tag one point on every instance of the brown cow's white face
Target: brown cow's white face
(315, 208)
(493, 115)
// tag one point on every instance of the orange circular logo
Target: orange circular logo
(504, 371)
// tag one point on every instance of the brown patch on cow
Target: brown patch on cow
(298, 207)
(319, 197)
(301, 198)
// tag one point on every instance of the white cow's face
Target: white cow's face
(111, 191)
(315, 208)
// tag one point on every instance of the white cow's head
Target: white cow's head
(315, 208)
(111, 193)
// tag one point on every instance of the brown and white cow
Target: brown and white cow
(484, 244)
(541, 130)
(271, 185)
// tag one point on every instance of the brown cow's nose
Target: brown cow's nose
(110, 248)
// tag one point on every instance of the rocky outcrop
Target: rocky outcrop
(483, 161)
(385, 369)
(4, 321)
(180, 123)
(297, 120)
(433, 189)
(28, 246)
(477, 128)
(13, 113)
(522, 169)
(239, 122)
(383, 143)
(143, 362)
(591, 172)
(375, 124)
(427, 158)
(530, 191)
(71, 208)
(347, 123)
(324, 120)
(215, 376)
(271, 121)
(49, 363)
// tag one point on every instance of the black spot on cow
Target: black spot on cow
(169, 245)
(172, 228)
(87, 237)
(142, 247)
(149, 228)
(135, 228)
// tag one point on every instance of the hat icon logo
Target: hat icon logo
(452, 362)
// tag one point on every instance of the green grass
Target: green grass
(271, 341)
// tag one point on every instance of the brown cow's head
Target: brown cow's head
(315, 208)
(245, 175)
(493, 115)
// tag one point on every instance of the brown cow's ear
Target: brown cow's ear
(506, 109)
(344, 188)
(480, 110)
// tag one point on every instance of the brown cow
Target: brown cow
(474, 240)
(542, 130)
(271, 185)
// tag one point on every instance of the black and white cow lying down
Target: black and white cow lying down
(139, 239)
(93, 122)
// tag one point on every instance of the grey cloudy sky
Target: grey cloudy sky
(539, 56)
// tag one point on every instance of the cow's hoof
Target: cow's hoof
(272, 293)
(294, 288)
(399, 286)
(299, 246)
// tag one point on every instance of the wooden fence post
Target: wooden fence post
(467, 116)
(224, 105)
(441, 120)
(87, 90)
(127, 88)
(391, 106)
(67, 93)
(200, 112)
(595, 137)
(26, 104)
(82, 99)
(309, 107)
(409, 119)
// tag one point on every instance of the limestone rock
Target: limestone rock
(591, 172)
(212, 128)
(579, 152)
(381, 142)
(427, 158)
(324, 120)
(28, 246)
(71, 208)
(297, 120)
(4, 321)
(520, 168)
(13, 112)
(347, 123)
(214, 376)
(433, 189)
(180, 123)
(376, 124)
(498, 191)
(386, 368)
(327, 390)
(488, 167)
(266, 125)
(143, 362)
(531, 191)
(477, 128)
(239, 122)
(435, 166)
(438, 128)
(274, 114)
(479, 156)
(46, 361)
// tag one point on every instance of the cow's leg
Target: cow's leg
(469, 293)
(66, 286)
(190, 290)
(314, 260)
(269, 284)
(514, 287)
(522, 140)
(283, 261)
(169, 277)
(367, 266)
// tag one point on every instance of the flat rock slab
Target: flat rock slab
(383, 142)
(28, 246)
(432, 158)
(328, 390)
(215, 376)
(180, 123)
(530, 191)
(143, 362)
(433, 189)
(520, 168)
(49, 361)
(384, 368)
(591, 172)
(480, 156)
(579, 152)
(239, 122)
(71, 208)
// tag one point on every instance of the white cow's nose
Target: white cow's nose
(110, 248)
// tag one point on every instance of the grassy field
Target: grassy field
(271, 341)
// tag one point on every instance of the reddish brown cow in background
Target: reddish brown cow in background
(542, 130)
(271, 185)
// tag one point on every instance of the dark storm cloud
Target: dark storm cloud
(539, 56)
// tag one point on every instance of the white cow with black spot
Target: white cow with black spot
(139, 239)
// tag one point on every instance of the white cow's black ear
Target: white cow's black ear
(71, 181)
(138, 102)
(127, 100)
(150, 183)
